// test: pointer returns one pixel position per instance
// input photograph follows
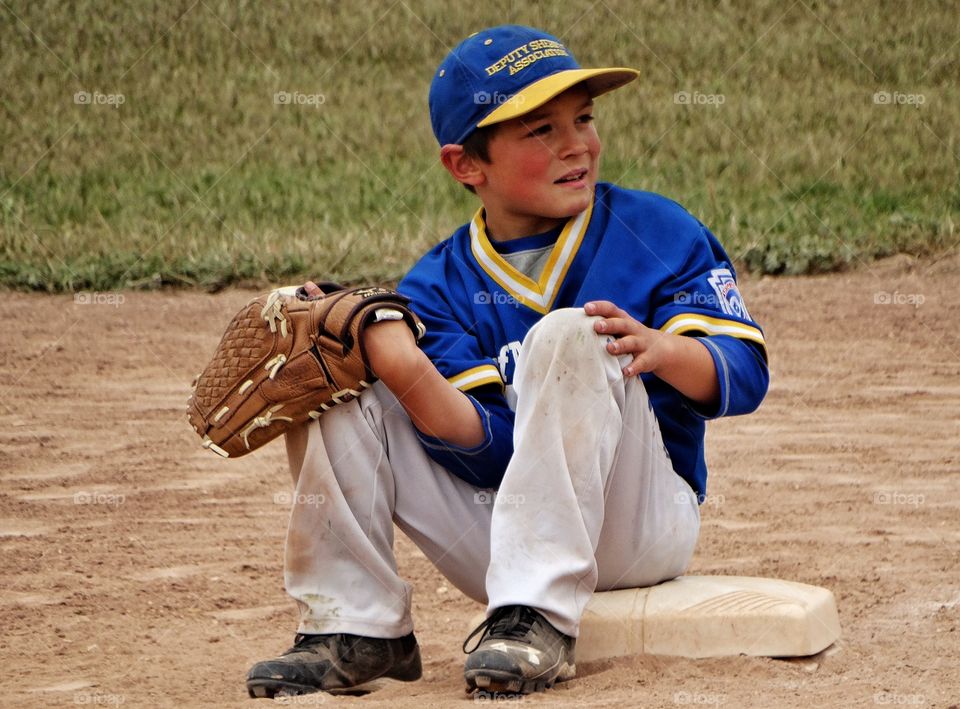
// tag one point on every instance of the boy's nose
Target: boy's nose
(573, 144)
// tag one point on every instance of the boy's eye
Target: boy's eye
(546, 128)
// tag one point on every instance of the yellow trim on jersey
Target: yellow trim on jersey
(686, 322)
(478, 376)
(537, 295)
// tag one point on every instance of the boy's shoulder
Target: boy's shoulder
(651, 209)
(434, 262)
(656, 224)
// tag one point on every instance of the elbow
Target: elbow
(760, 385)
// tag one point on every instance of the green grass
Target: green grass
(200, 179)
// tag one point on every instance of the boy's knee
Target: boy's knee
(569, 333)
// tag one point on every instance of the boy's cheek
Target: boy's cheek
(529, 175)
(537, 164)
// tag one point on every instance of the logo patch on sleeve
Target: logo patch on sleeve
(728, 295)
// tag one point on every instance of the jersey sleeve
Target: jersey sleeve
(452, 345)
(451, 340)
(484, 465)
(702, 300)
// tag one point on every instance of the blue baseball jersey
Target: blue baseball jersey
(643, 252)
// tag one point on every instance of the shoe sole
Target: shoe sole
(495, 681)
(269, 688)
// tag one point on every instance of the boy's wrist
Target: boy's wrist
(671, 349)
(688, 367)
(391, 350)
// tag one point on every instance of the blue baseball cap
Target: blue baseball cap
(504, 72)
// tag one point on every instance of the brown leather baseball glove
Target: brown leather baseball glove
(286, 358)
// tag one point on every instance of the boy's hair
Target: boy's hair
(477, 146)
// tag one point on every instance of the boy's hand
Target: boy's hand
(682, 362)
(650, 348)
(312, 288)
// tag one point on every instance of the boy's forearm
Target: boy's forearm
(690, 370)
(435, 406)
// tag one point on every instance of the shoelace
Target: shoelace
(509, 622)
(303, 642)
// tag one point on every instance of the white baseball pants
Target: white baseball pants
(588, 502)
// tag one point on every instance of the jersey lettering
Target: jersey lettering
(507, 359)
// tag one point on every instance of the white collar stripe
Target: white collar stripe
(497, 272)
(500, 270)
(559, 268)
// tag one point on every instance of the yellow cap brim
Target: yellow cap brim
(597, 81)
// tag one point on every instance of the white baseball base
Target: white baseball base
(709, 616)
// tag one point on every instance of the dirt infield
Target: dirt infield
(140, 570)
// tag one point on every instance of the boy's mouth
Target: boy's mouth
(572, 176)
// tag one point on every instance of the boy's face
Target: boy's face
(543, 167)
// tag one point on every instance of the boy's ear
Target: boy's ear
(464, 168)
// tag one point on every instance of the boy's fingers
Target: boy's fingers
(312, 288)
(601, 307)
(616, 326)
(625, 345)
(638, 365)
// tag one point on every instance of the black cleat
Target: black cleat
(519, 652)
(324, 662)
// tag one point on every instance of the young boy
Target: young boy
(578, 336)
